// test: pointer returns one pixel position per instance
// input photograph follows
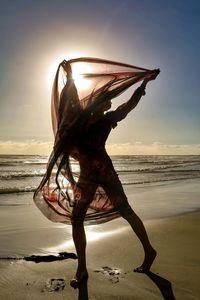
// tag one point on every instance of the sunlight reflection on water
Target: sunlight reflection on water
(92, 235)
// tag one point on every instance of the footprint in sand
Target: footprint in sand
(54, 285)
(113, 273)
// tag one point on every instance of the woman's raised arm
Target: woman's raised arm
(121, 112)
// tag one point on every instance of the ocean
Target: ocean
(22, 174)
(24, 230)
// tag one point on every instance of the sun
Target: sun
(79, 69)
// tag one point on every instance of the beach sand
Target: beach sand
(175, 273)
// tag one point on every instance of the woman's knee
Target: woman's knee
(124, 208)
(77, 222)
(78, 214)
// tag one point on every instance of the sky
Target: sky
(36, 35)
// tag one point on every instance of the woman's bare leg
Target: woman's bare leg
(116, 193)
(79, 237)
(139, 229)
(78, 232)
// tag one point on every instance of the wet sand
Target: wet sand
(175, 273)
(25, 231)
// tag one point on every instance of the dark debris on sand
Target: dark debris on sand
(50, 258)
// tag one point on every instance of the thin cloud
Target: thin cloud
(155, 148)
(34, 147)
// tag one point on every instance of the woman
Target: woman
(82, 134)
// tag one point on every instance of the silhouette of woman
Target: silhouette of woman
(81, 129)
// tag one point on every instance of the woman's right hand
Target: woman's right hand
(152, 76)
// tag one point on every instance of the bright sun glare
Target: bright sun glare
(78, 70)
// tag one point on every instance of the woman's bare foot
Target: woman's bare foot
(79, 279)
(148, 261)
